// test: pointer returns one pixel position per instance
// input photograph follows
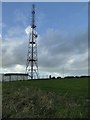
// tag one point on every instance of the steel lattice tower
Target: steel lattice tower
(32, 59)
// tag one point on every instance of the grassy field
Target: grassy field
(65, 98)
(0, 99)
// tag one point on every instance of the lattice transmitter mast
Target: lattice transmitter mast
(32, 59)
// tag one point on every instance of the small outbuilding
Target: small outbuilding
(14, 76)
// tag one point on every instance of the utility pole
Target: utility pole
(32, 59)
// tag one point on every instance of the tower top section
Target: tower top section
(33, 9)
(33, 16)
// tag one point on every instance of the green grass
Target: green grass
(0, 88)
(0, 99)
(65, 98)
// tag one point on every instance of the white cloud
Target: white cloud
(19, 68)
(14, 44)
(28, 30)
(0, 36)
(15, 68)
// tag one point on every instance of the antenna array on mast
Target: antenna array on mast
(32, 58)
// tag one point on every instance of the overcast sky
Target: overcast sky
(62, 37)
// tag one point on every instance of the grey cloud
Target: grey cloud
(57, 43)
(55, 51)
(14, 52)
(13, 47)
(60, 50)
(20, 53)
